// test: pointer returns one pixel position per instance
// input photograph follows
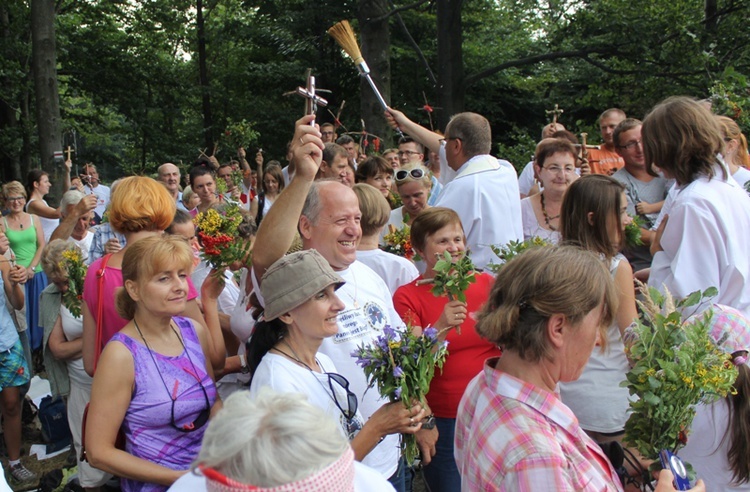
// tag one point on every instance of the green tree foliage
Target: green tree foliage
(130, 88)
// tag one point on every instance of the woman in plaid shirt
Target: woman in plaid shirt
(513, 432)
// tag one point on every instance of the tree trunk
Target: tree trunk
(9, 124)
(376, 50)
(44, 66)
(451, 88)
(208, 122)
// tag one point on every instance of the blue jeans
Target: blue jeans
(442, 474)
(398, 479)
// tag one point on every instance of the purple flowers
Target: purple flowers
(398, 372)
(431, 333)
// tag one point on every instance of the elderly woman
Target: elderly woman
(394, 270)
(62, 353)
(148, 215)
(301, 309)
(513, 432)
(414, 184)
(433, 233)
(555, 165)
(26, 237)
(703, 242)
(153, 382)
(286, 444)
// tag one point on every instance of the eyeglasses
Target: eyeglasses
(560, 170)
(402, 174)
(405, 153)
(351, 398)
(632, 145)
(202, 418)
(15, 199)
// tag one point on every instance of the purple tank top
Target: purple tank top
(147, 428)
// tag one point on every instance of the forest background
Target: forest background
(131, 84)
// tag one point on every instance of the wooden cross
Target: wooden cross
(555, 113)
(68, 151)
(312, 100)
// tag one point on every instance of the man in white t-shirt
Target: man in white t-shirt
(328, 217)
(90, 178)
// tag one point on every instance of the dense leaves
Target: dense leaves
(131, 98)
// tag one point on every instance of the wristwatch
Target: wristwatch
(429, 422)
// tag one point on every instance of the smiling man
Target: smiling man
(327, 214)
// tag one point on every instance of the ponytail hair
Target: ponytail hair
(738, 427)
(265, 335)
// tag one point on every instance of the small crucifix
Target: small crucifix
(555, 113)
(312, 100)
(69, 151)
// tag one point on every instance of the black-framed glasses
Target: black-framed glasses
(202, 418)
(403, 174)
(351, 398)
(631, 145)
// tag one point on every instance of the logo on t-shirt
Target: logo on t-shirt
(375, 316)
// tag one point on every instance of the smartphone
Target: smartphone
(675, 464)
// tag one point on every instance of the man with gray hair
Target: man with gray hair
(481, 189)
(169, 175)
(327, 215)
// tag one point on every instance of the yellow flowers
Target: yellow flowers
(209, 222)
(72, 255)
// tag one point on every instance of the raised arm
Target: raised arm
(277, 230)
(426, 137)
(68, 223)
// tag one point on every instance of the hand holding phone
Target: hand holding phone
(672, 462)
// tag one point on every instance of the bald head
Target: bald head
(169, 174)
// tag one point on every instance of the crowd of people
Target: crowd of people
(179, 377)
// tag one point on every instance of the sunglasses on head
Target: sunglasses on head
(351, 398)
(403, 174)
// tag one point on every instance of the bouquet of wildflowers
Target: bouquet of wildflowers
(217, 231)
(402, 365)
(675, 366)
(72, 263)
(398, 242)
(513, 249)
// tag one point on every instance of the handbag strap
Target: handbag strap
(100, 303)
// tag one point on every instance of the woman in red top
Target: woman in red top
(433, 232)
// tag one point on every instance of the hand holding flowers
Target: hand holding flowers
(402, 366)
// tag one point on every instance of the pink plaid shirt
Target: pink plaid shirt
(511, 435)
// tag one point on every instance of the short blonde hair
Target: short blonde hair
(144, 258)
(374, 207)
(14, 188)
(140, 204)
(538, 284)
(426, 180)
